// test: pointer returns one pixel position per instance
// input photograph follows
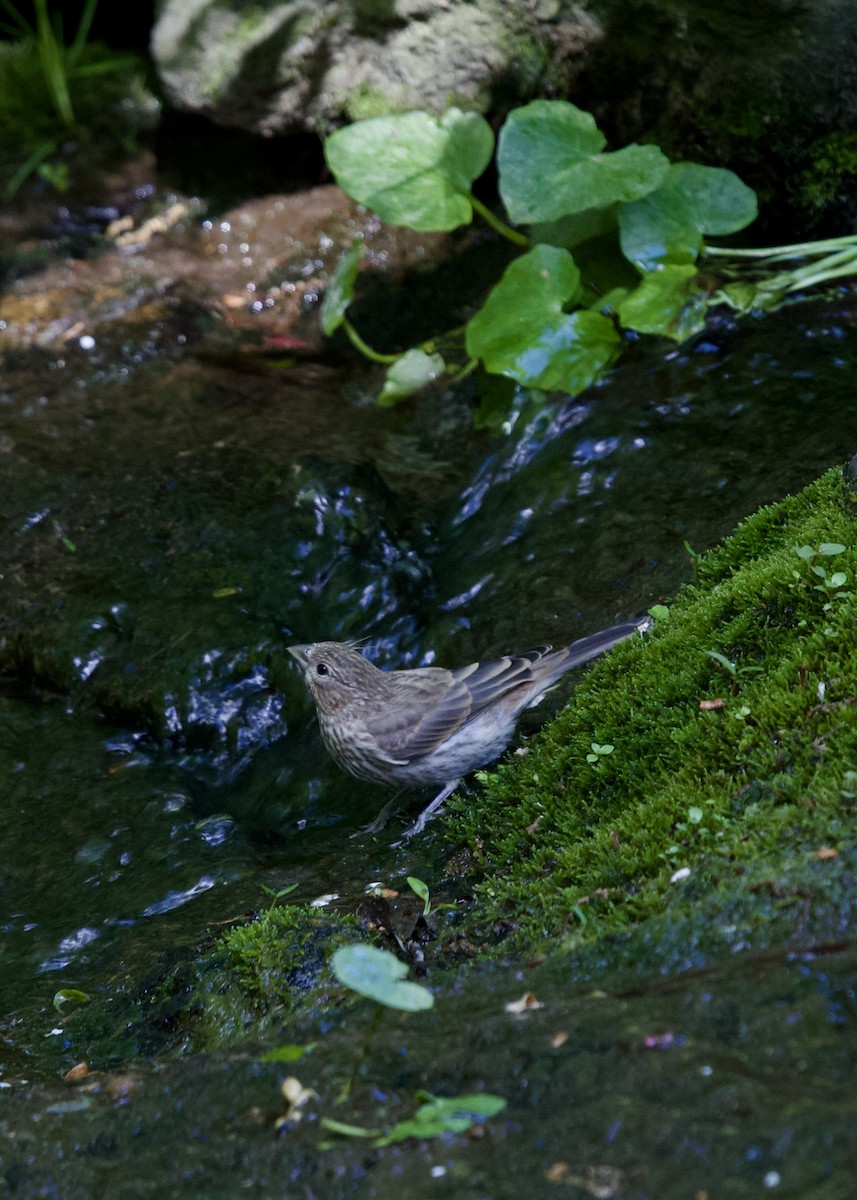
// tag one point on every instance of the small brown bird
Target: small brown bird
(427, 726)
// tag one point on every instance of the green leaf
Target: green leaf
(695, 814)
(523, 331)
(69, 997)
(667, 225)
(550, 163)
(408, 374)
(421, 889)
(830, 548)
(439, 1116)
(379, 975)
(575, 228)
(340, 289)
(667, 301)
(660, 612)
(412, 169)
(717, 198)
(741, 296)
(290, 1052)
(725, 662)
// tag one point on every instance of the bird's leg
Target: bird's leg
(430, 811)
(376, 825)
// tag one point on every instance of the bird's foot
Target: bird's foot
(428, 813)
(376, 825)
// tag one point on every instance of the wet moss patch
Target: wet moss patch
(732, 783)
(264, 974)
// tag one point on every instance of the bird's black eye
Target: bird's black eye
(322, 669)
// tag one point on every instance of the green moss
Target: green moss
(832, 169)
(365, 102)
(741, 796)
(277, 956)
(265, 973)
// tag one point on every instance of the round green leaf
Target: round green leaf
(408, 374)
(340, 289)
(667, 301)
(667, 225)
(379, 975)
(523, 331)
(716, 198)
(550, 163)
(412, 169)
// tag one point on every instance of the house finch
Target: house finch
(430, 725)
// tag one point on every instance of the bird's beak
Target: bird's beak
(301, 653)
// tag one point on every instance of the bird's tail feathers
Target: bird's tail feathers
(585, 648)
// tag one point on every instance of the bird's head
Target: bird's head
(336, 674)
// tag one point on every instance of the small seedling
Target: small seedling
(830, 585)
(275, 896)
(599, 751)
(435, 1116)
(421, 889)
(732, 668)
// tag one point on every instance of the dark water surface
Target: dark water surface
(168, 524)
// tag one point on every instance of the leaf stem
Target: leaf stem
(512, 235)
(798, 250)
(345, 1090)
(364, 347)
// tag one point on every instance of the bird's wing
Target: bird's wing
(426, 708)
(488, 681)
(431, 705)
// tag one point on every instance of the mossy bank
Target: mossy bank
(725, 806)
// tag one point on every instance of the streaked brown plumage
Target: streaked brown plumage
(427, 726)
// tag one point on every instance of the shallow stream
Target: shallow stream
(170, 520)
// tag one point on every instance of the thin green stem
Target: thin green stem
(345, 1091)
(364, 347)
(459, 373)
(832, 267)
(798, 250)
(501, 227)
